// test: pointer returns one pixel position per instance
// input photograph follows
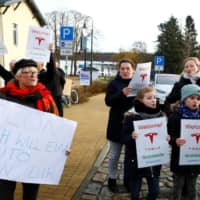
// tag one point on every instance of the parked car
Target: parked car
(163, 84)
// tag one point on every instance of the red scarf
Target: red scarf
(46, 103)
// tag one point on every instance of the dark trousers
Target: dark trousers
(58, 101)
(186, 182)
(153, 186)
(7, 189)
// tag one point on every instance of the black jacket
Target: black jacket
(131, 164)
(174, 127)
(53, 78)
(175, 94)
(5, 74)
(118, 104)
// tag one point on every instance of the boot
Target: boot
(112, 185)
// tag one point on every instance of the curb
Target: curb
(91, 172)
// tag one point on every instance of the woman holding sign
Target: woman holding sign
(116, 98)
(146, 107)
(26, 90)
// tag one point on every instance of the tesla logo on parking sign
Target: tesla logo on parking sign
(66, 33)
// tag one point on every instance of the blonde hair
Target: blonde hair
(141, 92)
(195, 59)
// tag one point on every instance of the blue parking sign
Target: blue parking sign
(159, 60)
(66, 33)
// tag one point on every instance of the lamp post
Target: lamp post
(84, 43)
(91, 54)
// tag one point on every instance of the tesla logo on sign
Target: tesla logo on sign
(151, 136)
(39, 39)
(143, 76)
(197, 136)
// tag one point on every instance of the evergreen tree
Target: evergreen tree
(192, 47)
(171, 45)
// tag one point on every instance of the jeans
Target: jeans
(153, 186)
(114, 154)
(7, 189)
(187, 181)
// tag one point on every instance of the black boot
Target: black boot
(112, 185)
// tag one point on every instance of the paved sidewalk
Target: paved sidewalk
(94, 187)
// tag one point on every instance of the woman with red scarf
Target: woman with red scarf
(26, 90)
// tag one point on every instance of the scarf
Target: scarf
(192, 78)
(186, 113)
(147, 112)
(39, 93)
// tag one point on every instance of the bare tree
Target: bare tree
(55, 20)
(139, 46)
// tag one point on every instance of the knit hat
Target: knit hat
(189, 90)
(24, 63)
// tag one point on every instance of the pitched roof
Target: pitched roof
(31, 4)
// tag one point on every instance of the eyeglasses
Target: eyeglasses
(29, 73)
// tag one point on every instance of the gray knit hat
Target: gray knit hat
(189, 90)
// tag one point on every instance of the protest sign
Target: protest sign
(38, 44)
(33, 144)
(151, 144)
(190, 151)
(3, 49)
(140, 78)
(84, 77)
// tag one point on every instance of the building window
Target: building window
(15, 34)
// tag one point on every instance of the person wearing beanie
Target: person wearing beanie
(185, 176)
(25, 89)
(24, 63)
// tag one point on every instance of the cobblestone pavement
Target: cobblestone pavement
(95, 187)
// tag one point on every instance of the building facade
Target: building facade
(15, 18)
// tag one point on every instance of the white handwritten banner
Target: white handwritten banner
(141, 77)
(33, 144)
(38, 44)
(190, 151)
(151, 144)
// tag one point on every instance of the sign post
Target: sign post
(66, 40)
(159, 62)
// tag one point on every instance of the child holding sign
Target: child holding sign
(184, 175)
(146, 107)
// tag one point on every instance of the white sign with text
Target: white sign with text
(190, 151)
(33, 144)
(151, 144)
(140, 78)
(38, 44)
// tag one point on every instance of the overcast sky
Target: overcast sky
(122, 22)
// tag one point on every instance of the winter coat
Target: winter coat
(118, 104)
(175, 94)
(174, 129)
(131, 164)
(53, 78)
(5, 74)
